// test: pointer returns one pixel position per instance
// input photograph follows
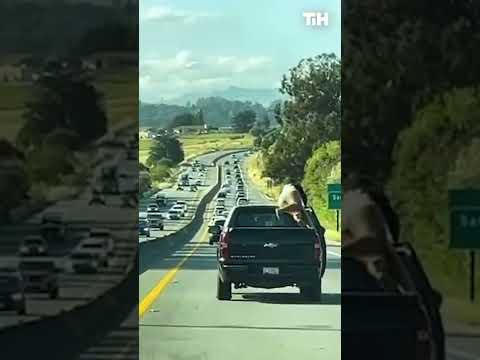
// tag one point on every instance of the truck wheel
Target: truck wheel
(224, 290)
(312, 292)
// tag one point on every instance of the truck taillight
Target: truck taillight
(423, 344)
(318, 248)
(223, 245)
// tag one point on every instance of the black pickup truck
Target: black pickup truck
(262, 247)
(377, 324)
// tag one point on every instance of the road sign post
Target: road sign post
(465, 226)
(338, 220)
(335, 200)
(472, 276)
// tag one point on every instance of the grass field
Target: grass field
(194, 145)
(255, 170)
(119, 87)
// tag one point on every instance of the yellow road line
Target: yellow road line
(167, 279)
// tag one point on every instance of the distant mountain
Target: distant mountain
(233, 93)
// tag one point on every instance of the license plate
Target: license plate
(271, 270)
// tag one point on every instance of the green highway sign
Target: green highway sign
(334, 196)
(464, 219)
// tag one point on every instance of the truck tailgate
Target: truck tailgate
(280, 245)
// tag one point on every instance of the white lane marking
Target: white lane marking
(461, 355)
(333, 253)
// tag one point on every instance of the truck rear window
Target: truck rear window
(263, 218)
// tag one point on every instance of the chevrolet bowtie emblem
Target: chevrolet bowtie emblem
(270, 245)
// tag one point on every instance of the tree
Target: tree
(314, 90)
(448, 129)
(322, 168)
(257, 132)
(309, 118)
(63, 99)
(14, 182)
(396, 64)
(165, 147)
(63, 137)
(160, 173)
(142, 167)
(199, 120)
(48, 163)
(145, 182)
(265, 123)
(186, 119)
(244, 120)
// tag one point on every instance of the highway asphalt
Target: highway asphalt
(186, 321)
(191, 198)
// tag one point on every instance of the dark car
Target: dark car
(12, 291)
(53, 227)
(40, 277)
(160, 200)
(214, 230)
(264, 248)
(144, 227)
(33, 245)
(155, 219)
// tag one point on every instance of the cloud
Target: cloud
(185, 73)
(167, 14)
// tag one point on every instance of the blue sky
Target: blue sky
(191, 46)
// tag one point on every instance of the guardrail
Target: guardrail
(197, 220)
(65, 335)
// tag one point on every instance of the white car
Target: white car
(153, 208)
(98, 248)
(174, 214)
(180, 209)
(183, 203)
(105, 235)
(33, 245)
